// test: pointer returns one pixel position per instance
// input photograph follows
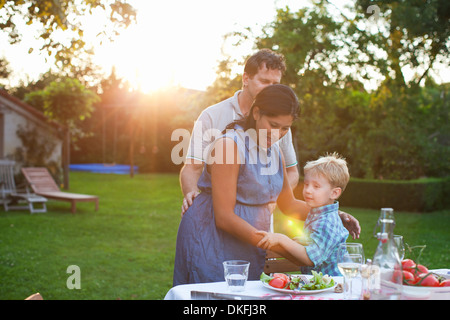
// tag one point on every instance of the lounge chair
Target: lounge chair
(43, 184)
(17, 199)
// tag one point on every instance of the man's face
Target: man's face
(260, 80)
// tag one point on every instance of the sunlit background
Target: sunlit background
(174, 42)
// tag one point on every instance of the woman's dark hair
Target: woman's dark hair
(274, 100)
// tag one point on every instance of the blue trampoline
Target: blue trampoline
(103, 168)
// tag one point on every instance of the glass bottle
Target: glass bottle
(366, 280)
(386, 265)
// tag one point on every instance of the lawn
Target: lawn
(126, 249)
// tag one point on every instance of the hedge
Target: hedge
(421, 195)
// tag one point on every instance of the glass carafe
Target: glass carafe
(386, 268)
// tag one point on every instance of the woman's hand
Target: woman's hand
(285, 246)
(269, 240)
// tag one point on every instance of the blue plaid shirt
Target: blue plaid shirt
(326, 232)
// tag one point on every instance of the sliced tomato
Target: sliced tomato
(278, 283)
(282, 276)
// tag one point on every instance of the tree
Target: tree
(390, 132)
(66, 101)
(416, 34)
(4, 68)
(62, 15)
(225, 85)
(24, 87)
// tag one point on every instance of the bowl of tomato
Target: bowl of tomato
(421, 283)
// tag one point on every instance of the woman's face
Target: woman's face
(271, 129)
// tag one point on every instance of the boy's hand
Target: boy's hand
(269, 240)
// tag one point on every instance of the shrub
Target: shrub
(421, 195)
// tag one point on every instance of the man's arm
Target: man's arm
(189, 175)
(193, 166)
(351, 224)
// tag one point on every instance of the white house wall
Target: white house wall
(16, 117)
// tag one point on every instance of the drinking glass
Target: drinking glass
(236, 274)
(350, 259)
(398, 240)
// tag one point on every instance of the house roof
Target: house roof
(38, 114)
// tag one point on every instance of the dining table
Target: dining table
(256, 290)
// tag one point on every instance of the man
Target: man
(262, 69)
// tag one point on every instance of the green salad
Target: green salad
(293, 282)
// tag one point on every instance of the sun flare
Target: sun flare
(158, 52)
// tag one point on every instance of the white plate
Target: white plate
(298, 291)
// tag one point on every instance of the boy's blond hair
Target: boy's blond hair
(333, 167)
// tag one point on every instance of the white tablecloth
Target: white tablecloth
(252, 288)
(256, 289)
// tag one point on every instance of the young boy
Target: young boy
(325, 180)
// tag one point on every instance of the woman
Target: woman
(243, 175)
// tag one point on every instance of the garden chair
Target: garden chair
(43, 184)
(17, 199)
(275, 263)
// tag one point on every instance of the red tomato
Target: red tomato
(277, 283)
(421, 269)
(408, 277)
(445, 283)
(408, 265)
(429, 280)
(282, 276)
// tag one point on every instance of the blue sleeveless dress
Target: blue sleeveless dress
(201, 248)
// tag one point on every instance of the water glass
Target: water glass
(236, 274)
(350, 259)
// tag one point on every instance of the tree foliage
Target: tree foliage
(65, 101)
(400, 130)
(4, 68)
(413, 34)
(61, 15)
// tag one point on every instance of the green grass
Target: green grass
(126, 250)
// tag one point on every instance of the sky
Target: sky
(180, 42)
(174, 42)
